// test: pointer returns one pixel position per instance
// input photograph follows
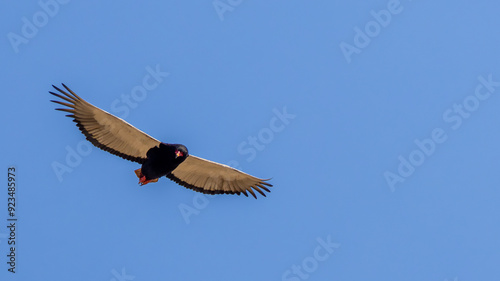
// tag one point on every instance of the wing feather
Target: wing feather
(104, 130)
(213, 178)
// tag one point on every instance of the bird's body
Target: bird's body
(163, 159)
(158, 159)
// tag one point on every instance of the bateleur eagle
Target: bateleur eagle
(158, 159)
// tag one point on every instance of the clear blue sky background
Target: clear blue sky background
(357, 119)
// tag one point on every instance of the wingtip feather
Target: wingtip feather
(69, 90)
(66, 110)
(251, 192)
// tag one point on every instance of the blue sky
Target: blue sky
(377, 122)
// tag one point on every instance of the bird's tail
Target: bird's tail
(138, 172)
(142, 178)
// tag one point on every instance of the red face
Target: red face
(178, 154)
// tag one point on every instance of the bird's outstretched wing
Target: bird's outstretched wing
(213, 178)
(104, 130)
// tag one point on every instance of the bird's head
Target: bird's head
(180, 151)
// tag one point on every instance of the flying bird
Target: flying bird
(116, 136)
